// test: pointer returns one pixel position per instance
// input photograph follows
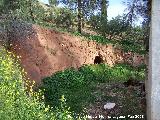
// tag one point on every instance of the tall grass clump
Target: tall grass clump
(15, 103)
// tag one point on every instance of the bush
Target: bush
(70, 83)
(78, 85)
(99, 39)
(15, 104)
(64, 17)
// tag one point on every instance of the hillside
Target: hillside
(44, 51)
(67, 61)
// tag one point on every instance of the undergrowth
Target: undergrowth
(78, 85)
(18, 101)
(126, 45)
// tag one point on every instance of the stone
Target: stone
(109, 106)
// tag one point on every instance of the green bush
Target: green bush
(78, 85)
(70, 83)
(15, 104)
(99, 39)
(63, 17)
(126, 44)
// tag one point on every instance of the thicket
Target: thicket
(78, 85)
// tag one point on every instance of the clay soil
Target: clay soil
(43, 51)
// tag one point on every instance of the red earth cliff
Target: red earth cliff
(44, 51)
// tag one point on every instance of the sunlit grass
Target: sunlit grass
(78, 85)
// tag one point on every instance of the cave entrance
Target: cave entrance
(98, 60)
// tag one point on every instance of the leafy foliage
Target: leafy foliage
(64, 18)
(116, 27)
(69, 83)
(78, 85)
(112, 28)
(140, 9)
(128, 43)
(15, 103)
(99, 39)
(136, 9)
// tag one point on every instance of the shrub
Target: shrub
(64, 17)
(70, 83)
(15, 104)
(99, 39)
(78, 85)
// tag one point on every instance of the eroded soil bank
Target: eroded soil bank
(43, 51)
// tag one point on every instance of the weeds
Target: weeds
(79, 85)
(126, 45)
(15, 103)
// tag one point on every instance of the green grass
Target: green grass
(125, 45)
(79, 85)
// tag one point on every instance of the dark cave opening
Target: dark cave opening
(98, 60)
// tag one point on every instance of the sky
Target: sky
(44, 1)
(115, 8)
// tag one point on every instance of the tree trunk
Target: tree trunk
(104, 8)
(79, 16)
(31, 11)
(146, 42)
(104, 5)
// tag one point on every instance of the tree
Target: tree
(9, 5)
(64, 18)
(30, 6)
(104, 6)
(140, 8)
(146, 22)
(18, 9)
(79, 16)
(53, 2)
(84, 9)
(116, 27)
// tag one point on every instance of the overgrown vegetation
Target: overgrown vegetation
(74, 17)
(125, 44)
(70, 88)
(18, 101)
(78, 85)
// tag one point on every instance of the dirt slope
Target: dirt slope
(44, 51)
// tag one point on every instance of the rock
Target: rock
(109, 106)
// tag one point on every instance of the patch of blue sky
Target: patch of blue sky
(44, 1)
(115, 8)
